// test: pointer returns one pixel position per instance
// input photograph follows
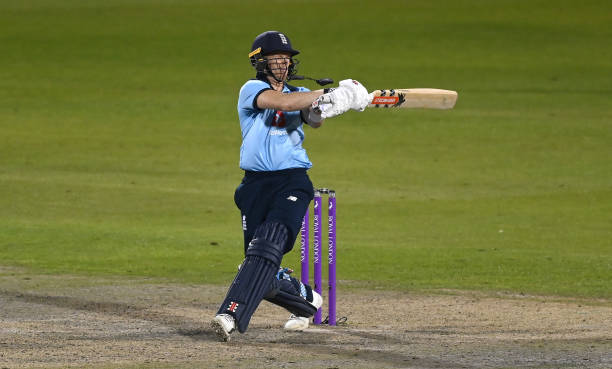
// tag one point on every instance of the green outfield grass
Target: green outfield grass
(119, 139)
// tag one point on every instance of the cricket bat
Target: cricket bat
(414, 98)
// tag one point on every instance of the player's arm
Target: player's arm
(302, 101)
(272, 99)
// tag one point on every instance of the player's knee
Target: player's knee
(269, 242)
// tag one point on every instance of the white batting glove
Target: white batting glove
(333, 103)
(360, 96)
(350, 94)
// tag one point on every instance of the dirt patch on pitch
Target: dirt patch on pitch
(68, 321)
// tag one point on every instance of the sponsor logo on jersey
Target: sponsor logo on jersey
(279, 119)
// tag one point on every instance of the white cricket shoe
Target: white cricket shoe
(223, 325)
(296, 323)
(300, 323)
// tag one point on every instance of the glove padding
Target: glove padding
(350, 94)
(333, 103)
(360, 96)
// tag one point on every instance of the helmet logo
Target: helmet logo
(283, 38)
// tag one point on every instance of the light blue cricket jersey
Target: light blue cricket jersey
(271, 139)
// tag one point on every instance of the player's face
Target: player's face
(279, 65)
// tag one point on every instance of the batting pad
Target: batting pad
(288, 297)
(263, 257)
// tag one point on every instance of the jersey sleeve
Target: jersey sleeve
(249, 92)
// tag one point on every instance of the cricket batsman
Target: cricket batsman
(276, 190)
